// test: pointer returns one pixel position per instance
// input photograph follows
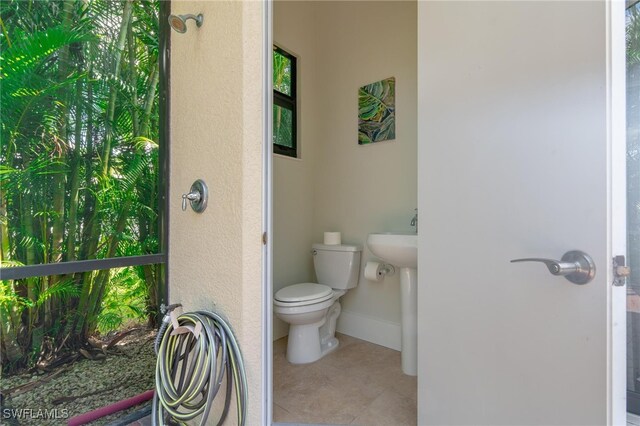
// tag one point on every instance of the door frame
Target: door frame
(617, 208)
(267, 218)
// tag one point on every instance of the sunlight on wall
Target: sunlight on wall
(216, 135)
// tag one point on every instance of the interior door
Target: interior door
(518, 158)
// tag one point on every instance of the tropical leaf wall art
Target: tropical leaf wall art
(377, 111)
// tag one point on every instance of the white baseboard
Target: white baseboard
(380, 332)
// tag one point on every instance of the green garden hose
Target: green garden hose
(196, 352)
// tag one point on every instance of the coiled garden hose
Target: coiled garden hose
(193, 360)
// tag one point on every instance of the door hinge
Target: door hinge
(264, 238)
(620, 271)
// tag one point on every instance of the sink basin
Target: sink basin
(401, 250)
(396, 248)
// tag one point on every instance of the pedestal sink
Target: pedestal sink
(401, 250)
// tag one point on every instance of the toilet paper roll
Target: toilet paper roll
(373, 271)
(332, 238)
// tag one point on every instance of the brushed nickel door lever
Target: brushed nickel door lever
(575, 265)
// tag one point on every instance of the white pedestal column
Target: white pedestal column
(409, 307)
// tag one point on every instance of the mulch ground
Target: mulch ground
(82, 386)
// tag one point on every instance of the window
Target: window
(284, 103)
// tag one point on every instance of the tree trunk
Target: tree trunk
(90, 280)
(74, 186)
(148, 102)
(28, 231)
(89, 198)
(11, 349)
(59, 176)
(9, 321)
(111, 109)
(151, 279)
(5, 247)
(94, 304)
(133, 77)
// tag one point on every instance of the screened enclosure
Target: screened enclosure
(82, 182)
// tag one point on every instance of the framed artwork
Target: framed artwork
(377, 111)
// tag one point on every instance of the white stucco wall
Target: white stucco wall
(216, 135)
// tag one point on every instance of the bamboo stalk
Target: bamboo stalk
(59, 178)
(122, 35)
(102, 279)
(89, 199)
(90, 280)
(74, 186)
(148, 102)
(133, 77)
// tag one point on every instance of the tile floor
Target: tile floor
(358, 384)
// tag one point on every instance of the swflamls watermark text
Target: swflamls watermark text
(34, 413)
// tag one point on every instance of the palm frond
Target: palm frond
(32, 49)
(62, 289)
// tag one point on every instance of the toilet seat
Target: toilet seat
(302, 294)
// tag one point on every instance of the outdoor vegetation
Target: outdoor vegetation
(282, 116)
(78, 169)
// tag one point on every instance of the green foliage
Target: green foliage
(282, 126)
(78, 165)
(281, 73)
(62, 290)
(28, 53)
(9, 298)
(633, 36)
(282, 117)
(124, 302)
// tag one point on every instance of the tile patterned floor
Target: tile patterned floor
(359, 384)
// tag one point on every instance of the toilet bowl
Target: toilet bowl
(312, 309)
(312, 321)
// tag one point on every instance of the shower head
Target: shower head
(179, 22)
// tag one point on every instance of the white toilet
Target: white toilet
(313, 309)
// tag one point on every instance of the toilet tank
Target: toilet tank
(337, 266)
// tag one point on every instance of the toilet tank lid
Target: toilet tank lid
(337, 247)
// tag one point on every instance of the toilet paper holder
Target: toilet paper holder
(377, 271)
(387, 269)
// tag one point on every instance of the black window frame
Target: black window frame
(288, 102)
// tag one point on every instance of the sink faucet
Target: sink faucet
(414, 221)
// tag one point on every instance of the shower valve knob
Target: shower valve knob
(197, 197)
(192, 196)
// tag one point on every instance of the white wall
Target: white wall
(339, 185)
(369, 188)
(294, 29)
(215, 258)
